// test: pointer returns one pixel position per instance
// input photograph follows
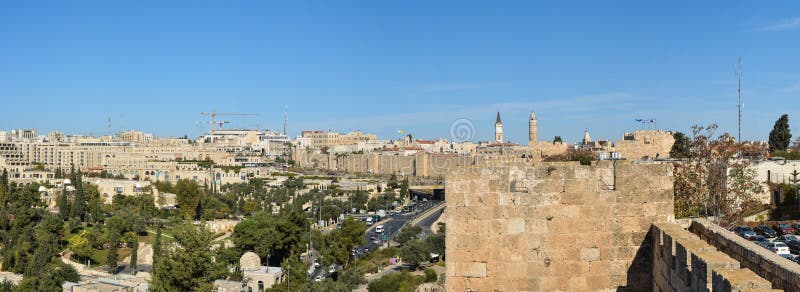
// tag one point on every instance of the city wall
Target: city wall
(684, 262)
(782, 273)
(554, 226)
(419, 165)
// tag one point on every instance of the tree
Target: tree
(78, 209)
(780, 136)
(407, 234)
(134, 257)
(338, 243)
(63, 205)
(413, 252)
(188, 265)
(188, 197)
(682, 146)
(113, 254)
(712, 181)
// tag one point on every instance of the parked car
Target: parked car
(783, 228)
(779, 247)
(760, 240)
(746, 232)
(794, 246)
(796, 227)
(766, 231)
(787, 237)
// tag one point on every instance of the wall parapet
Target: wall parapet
(781, 272)
(684, 262)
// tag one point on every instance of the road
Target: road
(391, 226)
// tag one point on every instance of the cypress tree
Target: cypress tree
(134, 256)
(780, 136)
(79, 201)
(111, 257)
(681, 148)
(63, 206)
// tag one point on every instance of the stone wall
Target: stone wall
(684, 262)
(782, 273)
(646, 143)
(554, 226)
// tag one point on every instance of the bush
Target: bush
(430, 276)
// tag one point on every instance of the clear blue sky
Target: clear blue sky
(380, 66)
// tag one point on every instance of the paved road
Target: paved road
(393, 224)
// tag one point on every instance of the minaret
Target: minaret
(533, 129)
(498, 129)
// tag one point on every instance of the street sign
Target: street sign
(384, 237)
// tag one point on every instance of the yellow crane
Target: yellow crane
(214, 116)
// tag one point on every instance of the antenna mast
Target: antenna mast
(285, 118)
(740, 99)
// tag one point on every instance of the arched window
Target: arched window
(260, 286)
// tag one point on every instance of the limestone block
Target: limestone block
(737, 280)
(590, 254)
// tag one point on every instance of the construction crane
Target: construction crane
(214, 116)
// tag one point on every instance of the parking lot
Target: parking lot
(780, 237)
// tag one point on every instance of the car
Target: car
(316, 264)
(318, 278)
(377, 242)
(746, 232)
(379, 229)
(332, 269)
(796, 227)
(778, 247)
(766, 231)
(372, 237)
(760, 240)
(783, 228)
(787, 237)
(794, 245)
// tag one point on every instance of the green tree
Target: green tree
(63, 205)
(188, 197)
(78, 209)
(272, 237)
(134, 257)
(188, 265)
(400, 282)
(682, 146)
(339, 242)
(407, 234)
(414, 252)
(113, 253)
(780, 136)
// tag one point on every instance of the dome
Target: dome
(42, 189)
(67, 181)
(249, 261)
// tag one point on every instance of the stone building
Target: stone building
(256, 277)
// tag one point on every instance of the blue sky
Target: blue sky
(380, 66)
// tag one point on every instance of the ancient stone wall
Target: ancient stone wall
(420, 165)
(647, 143)
(554, 226)
(782, 273)
(684, 262)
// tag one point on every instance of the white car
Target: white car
(318, 279)
(379, 229)
(778, 247)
